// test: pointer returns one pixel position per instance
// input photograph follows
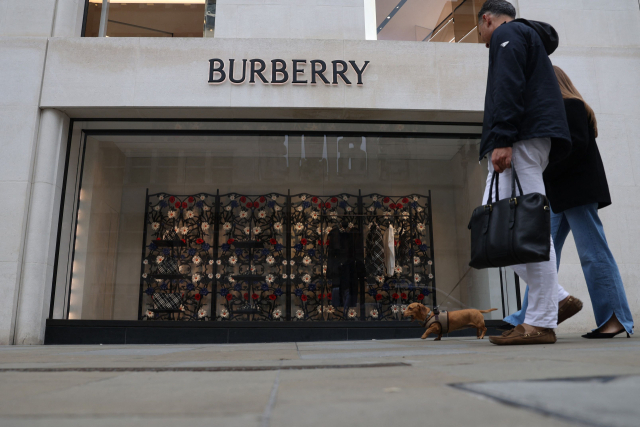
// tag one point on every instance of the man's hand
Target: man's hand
(501, 159)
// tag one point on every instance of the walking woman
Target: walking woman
(577, 188)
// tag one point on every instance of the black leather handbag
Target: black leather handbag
(510, 231)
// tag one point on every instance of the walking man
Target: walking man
(525, 125)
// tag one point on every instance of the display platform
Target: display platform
(179, 332)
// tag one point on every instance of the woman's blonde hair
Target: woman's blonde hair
(569, 91)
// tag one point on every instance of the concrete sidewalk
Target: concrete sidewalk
(455, 382)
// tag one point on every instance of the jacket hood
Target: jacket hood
(546, 32)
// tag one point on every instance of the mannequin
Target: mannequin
(345, 264)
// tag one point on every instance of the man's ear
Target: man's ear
(487, 20)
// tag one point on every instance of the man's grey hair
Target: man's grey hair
(497, 8)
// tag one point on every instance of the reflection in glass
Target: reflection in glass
(210, 18)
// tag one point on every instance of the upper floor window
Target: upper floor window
(150, 18)
(449, 21)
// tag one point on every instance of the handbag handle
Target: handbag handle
(514, 181)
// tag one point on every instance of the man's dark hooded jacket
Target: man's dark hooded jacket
(523, 99)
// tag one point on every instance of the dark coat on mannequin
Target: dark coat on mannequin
(345, 265)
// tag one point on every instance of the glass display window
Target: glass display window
(300, 222)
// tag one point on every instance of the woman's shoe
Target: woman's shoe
(570, 308)
(596, 334)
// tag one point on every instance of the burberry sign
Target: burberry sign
(279, 71)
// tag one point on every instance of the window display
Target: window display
(282, 257)
(270, 222)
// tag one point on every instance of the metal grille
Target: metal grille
(264, 258)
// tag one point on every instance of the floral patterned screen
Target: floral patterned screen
(264, 258)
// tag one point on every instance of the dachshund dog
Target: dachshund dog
(444, 322)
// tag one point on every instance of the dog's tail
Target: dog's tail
(488, 311)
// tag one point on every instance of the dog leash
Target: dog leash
(454, 288)
(435, 309)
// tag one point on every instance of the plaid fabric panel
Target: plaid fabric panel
(375, 252)
(166, 301)
(168, 266)
(170, 235)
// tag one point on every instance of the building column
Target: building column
(42, 225)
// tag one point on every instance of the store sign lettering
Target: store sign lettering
(254, 70)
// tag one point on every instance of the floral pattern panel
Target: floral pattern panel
(252, 257)
(341, 212)
(312, 219)
(412, 279)
(177, 261)
(241, 257)
(311, 291)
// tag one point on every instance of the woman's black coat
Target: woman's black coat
(580, 178)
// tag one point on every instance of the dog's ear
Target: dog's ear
(423, 310)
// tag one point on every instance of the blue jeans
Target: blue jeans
(598, 265)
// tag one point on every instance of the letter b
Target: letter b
(219, 69)
(275, 70)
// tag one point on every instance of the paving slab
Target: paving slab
(454, 382)
(599, 401)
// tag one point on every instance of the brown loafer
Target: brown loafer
(571, 307)
(519, 337)
(508, 332)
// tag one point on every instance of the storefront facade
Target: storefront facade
(194, 189)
